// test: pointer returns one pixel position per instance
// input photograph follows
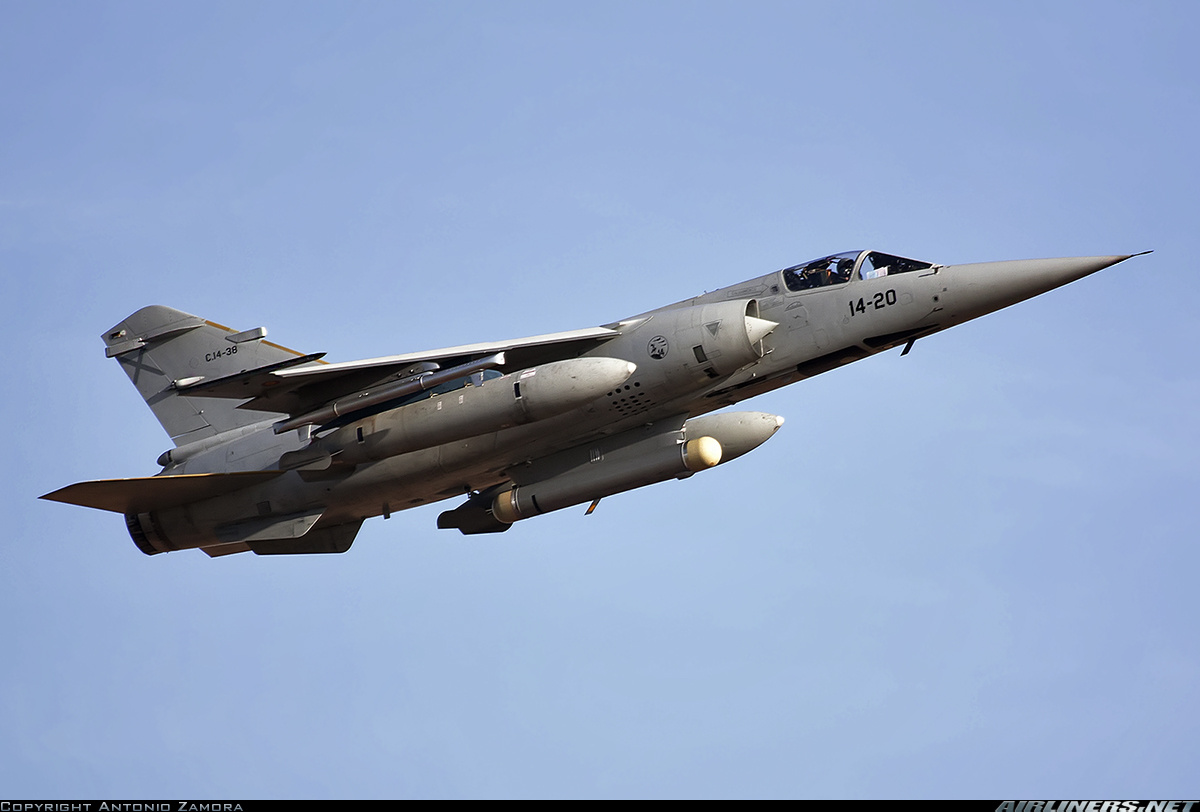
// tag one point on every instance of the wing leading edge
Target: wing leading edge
(296, 389)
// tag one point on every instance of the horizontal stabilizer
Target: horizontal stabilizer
(144, 494)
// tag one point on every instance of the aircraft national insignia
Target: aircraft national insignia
(658, 347)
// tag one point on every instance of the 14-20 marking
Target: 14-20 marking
(880, 300)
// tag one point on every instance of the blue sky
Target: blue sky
(967, 572)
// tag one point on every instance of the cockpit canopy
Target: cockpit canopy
(838, 269)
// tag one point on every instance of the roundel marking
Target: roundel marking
(658, 347)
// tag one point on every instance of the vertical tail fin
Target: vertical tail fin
(157, 346)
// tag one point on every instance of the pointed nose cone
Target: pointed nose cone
(973, 290)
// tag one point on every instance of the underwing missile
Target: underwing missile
(394, 391)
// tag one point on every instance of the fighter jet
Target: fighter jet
(278, 452)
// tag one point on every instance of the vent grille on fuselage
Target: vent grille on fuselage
(629, 399)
